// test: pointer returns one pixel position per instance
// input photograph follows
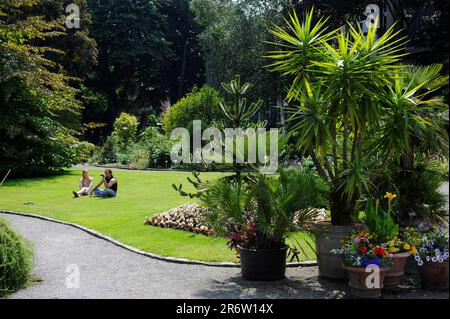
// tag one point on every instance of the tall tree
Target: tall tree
(133, 54)
(40, 112)
(182, 31)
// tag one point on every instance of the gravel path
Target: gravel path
(108, 271)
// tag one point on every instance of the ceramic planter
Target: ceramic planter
(264, 264)
(394, 275)
(357, 277)
(434, 275)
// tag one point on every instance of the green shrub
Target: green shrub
(84, 151)
(153, 120)
(109, 150)
(440, 167)
(15, 259)
(201, 104)
(140, 158)
(125, 128)
(157, 145)
(417, 190)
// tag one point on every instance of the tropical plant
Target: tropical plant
(351, 99)
(257, 211)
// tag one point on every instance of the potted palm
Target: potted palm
(256, 214)
(353, 111)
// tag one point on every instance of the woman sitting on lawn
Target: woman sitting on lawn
(85, 184)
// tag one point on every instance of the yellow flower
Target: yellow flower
(406, 246)
(393, 250)
(390, 196)
(413, 250)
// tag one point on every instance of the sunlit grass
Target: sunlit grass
(140, 195)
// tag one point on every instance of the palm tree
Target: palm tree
(347, 86)
(267, 202)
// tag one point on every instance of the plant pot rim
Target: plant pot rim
(362, 269)
(273, 249)
(435, 262)
(404, 254)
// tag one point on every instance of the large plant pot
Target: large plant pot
(434, 275)
(394, 275)
(263, 264)
(329, 264)
(357, 282)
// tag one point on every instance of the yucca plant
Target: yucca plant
(412, 114)
(350, 100)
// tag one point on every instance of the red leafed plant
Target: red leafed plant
(241, 236)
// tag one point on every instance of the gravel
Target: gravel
(109, 271)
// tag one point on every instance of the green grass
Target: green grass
(140, 195)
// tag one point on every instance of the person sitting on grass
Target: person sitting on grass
(110, 183)
(85, 184)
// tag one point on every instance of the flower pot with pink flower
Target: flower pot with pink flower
(381, 224)
(366, 264)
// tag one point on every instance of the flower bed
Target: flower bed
(188, 217)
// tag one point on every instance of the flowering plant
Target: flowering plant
(398, 245)
(379, 221)
(359, 250)
(432, 242)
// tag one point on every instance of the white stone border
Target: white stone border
(92, 232)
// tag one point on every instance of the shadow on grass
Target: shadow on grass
(25, 181)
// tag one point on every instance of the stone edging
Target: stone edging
(92, 232)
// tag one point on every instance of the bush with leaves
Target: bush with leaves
(38, 95)
(418, 190)
(125, 128)
(200, 104)
(15, 259)
(109, 150)
(156, 144)
(140, 158)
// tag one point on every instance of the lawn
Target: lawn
(140, 195)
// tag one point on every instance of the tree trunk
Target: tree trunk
(342, 209)
(183, 71)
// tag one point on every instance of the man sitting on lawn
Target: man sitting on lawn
(110, 183)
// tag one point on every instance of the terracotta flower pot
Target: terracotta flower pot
(394, 275)
(358, 282)
(434, 275)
